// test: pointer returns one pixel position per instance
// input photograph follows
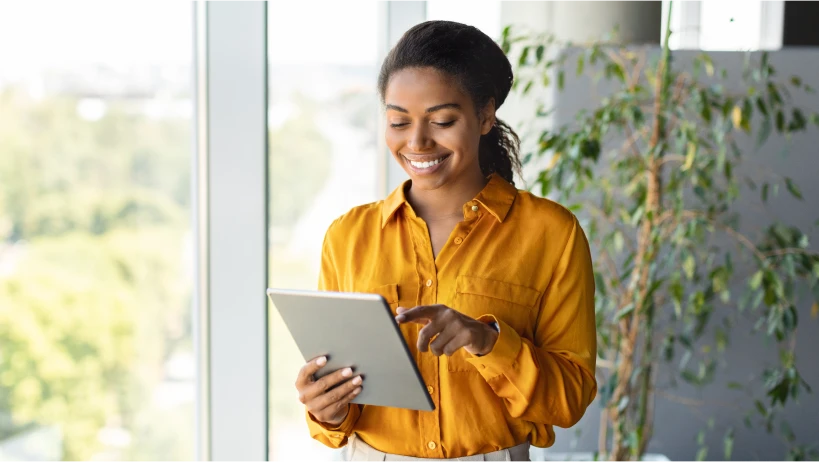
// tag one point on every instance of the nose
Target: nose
(419, 140)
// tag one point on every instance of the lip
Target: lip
(428, 170)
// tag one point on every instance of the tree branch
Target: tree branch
(789, 251)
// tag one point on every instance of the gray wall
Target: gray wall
(677, 424)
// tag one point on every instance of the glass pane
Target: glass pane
(486, 17)
(323, 118)
(96, 359)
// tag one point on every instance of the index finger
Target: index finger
(307, 371)
(419, 312)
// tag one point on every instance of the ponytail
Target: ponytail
(498, 152)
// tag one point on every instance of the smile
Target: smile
(427, 164)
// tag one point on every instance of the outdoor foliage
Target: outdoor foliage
(95, 267)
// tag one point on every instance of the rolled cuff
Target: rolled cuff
(334, 436)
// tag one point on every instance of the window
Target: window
(323, 133)
(96, 359)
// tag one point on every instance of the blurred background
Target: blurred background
(104, 350)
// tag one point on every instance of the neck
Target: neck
(447, 199)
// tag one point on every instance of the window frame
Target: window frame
(230, 197)
(230, 168)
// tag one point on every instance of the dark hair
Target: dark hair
(480, 67)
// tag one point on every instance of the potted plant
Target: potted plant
(653, 172)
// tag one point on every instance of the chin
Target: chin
(428, 183)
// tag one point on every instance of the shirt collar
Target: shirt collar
(497, 197)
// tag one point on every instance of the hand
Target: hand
(454, 330)
(327, 398)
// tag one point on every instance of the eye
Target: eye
(399, 125)
(444, 124)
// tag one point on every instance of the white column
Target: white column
(234, 228)
(685, 24)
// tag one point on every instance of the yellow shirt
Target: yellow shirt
(517, 259)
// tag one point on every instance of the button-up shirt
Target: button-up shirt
(516, 259)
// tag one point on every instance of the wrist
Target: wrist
(493, 331)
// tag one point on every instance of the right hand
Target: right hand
(327, 404)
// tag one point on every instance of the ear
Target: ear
(488, 116)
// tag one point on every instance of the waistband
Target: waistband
(356, 449)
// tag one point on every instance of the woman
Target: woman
(500, 281)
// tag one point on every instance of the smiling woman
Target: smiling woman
(494, 285)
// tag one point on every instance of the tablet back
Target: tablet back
(358, 331)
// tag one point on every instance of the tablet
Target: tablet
(358, 331)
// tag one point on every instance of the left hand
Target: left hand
(453, 329)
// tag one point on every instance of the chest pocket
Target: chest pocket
(511, 303)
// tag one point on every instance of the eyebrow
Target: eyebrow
(429, 110)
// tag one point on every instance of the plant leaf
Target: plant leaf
(728, 443)
(689, 156)
(793, 188)
(736, 117)
(709, 64)
(689, 266)
(524, 54)
(624, 311)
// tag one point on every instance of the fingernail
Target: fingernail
(357, 391)
(347, 372)
(321, 361)
(357, 380)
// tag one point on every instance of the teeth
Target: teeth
(426, 164)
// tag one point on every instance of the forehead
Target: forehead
(420, 88)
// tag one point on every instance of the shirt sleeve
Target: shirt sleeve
(334, 437)
(550, 380)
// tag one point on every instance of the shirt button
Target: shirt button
(429, 389)
(474, 208)
(458, 240)
(429, 282)
(431, 445)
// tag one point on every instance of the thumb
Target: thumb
(401, 309)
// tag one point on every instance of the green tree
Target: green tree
(95, 295)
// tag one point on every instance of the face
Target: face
(433, 130)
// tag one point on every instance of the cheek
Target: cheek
(462, 140)
(393, 137)
(395, 140)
